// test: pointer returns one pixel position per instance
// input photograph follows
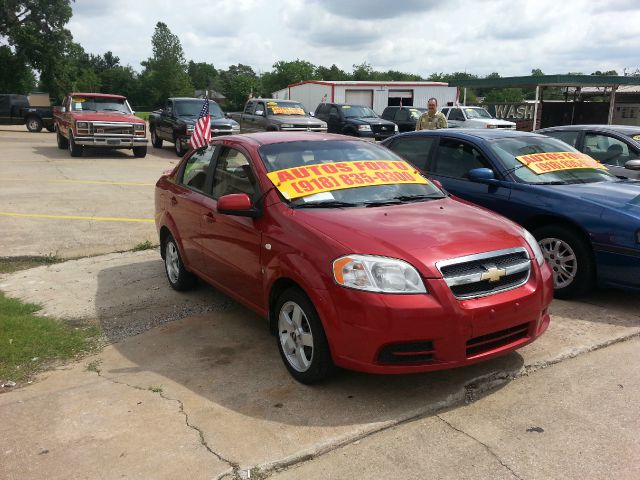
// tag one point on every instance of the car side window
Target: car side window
(387, 114)
(249, 107)
(570, 138)
(233, 174)
(455, 158)
(607, 149)
(403, 115)
(334, 111)
(322, 109)
(456, 114)
(414, 150)
(197, 168)
(445, 111)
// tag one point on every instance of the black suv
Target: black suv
(356, 120)
(405, 117)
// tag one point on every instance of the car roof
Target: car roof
(472, 133)
(626, 129)
(405, 106)
(190, 98)
(268, 138)
(101, 95)
(279, 100)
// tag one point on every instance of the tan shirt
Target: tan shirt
(428, 122)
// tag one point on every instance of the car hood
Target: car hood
(493, 121)
(421, 233)
(623, 195)
(106, 117)
(191, 120)
(298, 120)
(370, 121)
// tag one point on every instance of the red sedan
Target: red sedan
(355, 259)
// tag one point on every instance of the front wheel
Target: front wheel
(178, 147)
(301, 338)
(570, 259)
(34, 124)
(140, 152)
(63, 143)
(155, 140)
(51, 128)
(179, 278)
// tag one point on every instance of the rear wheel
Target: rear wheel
(34, 124)
(178, 147)
(63, 143)
(140, 152)
(155, 140)
(301, 339)
(51, 128)
(570, 259)
(179, 278)
(74, 149)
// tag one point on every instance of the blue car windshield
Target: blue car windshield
(507, 149)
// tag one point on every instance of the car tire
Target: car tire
(301, 338)
(179, 277)
(34, 124)
(178, 147)
(155, 141)
(140, 152)
(570, 258)
(74, 149)
(63, 143)
(51, 128)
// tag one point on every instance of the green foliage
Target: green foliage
(331, 73)
(286, 73)
(238, 83)
(15, 74)
(202, 75)
(13, 264)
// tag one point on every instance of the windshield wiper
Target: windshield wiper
(553, 182)
(417, 198)
(326, 204)
(381, 203)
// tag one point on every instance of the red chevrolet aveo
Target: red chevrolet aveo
(355, 259)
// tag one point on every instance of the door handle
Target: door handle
(174, 201)
(209, 218)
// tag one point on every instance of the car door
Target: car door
(167, 121)
(450, 164)
(416, 149)
(611, 150)
(456, 118)
(187, 204)
(247, 121)
(231, 243)
(334, 122)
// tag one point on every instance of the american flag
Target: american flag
(202, 131)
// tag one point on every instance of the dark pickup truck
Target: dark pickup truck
(355, 120)
(274, 115)
(175, 122)
(15, 110)
(405, 117)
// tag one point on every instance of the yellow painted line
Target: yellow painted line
(77, 217)
(88, 182)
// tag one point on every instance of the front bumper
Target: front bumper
(111, 142)
(393, 334)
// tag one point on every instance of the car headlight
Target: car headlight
(138, 127)
(533, 243)
(395, 128)
(377, 274)
(492, 126)
(82, 125)
(235, 127)
(190, 128)
(364, 128)
(286, 125)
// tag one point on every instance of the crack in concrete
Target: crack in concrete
(486, 447)
(234, 466)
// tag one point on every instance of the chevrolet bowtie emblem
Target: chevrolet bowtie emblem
(493, 274)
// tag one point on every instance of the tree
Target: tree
(608, 72)
(165, 73)
(238, 83)
(363, 71)
(331, 73)
(202, 75)
(15, 75)
(286, 73)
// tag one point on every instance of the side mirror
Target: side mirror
(312, 114)
(63, 109)
(238, 204)
(632, 165)
(438, 184)
(259, 112)
(226, 115)
(482, 175)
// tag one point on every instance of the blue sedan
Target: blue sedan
(586, 220)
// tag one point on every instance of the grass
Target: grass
(143, 115)
(29, 342)
(146, 245)
(13, 264)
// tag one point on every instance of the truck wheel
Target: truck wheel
(34, 124)
(178, 147)
(63, 143)
(155, 141)
(74, 149)
(139, 152)
(569, 257)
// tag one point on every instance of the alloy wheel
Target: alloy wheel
(561, 259)
(296, 337)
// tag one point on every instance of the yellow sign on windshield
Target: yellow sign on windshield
(556, 161)
(324, 177)
(287, 110)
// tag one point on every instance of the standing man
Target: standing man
(432, 119)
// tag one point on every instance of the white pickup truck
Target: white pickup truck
(473, 117)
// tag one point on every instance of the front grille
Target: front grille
(115, 128)
(495, 340)
(221, 127)
(384, 129)
(486, 273)
(403, 353)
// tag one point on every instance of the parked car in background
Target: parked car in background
(175, 122)
(355, 258)
(99, 120)
(273, 115)
(473, 117)
(355, 120)
(617, 146)
(586, 220)
(16, 110)
(405, 117)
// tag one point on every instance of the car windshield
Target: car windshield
(192, 108)
(635, 135)
(100, 104)
(351, 169)
(356, 111)
(477, 113)
(285, 108)
(416, 112)
(507, 149)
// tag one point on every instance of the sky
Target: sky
(510, 37)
